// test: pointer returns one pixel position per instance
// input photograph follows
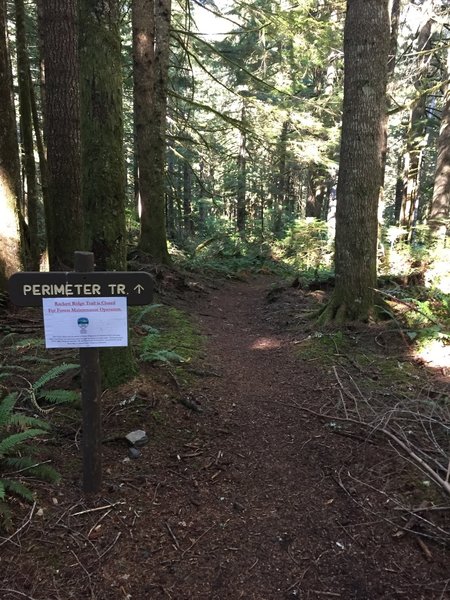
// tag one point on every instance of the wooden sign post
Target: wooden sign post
(91, 443)
(29, 289)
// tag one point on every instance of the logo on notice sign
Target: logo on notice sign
(83, 323)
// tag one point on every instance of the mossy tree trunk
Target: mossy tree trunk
(102, 161)
(9, 166)
(366, 48)
(151, 23)
(32, 253)
(62, 131)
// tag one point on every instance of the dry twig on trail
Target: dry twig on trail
(417, 429)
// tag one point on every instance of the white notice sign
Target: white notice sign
(85, 322)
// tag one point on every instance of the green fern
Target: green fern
(17, 488)
(53, 374)
(28, 465)
(37, 360)
(23, 421)
(59, 396)
(165, 356)
(30, 343)
(6, 408)
(16, 462)
(9, 337)
(10, 443)
(17, 368)
(144, 311)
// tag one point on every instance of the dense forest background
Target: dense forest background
(200, 130)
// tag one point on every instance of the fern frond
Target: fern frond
(37, 359)
(2, 490)
(6, 338)
(145, 311)
(28, 466)
(30, 343)
(23, 421)
(6, 408)
(18, 463)
(53, 374)
(165, 356)
(17, 368)
(18, 489)
(59, 396)
(16, 439)
(46, 473)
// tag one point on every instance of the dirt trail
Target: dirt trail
(288, 527)
(248, 498)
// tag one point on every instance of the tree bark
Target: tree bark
(187, 199)
(102, 160)
(10, 190)
(412, 160)
(241, 208)
(366, 49)
(151, 22)
(64, 218)
(26, 127)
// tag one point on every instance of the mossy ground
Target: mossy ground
(374, 369)
(166, 334)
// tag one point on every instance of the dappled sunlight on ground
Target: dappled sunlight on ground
(435, 354)
(265, 343)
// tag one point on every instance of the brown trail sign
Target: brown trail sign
(28, 289)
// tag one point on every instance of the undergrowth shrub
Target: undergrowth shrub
(169, 335)
(307, 245)
(38, 391)
(228, 255)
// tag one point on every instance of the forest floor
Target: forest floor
(245, 490)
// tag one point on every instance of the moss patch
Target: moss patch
(167, 335)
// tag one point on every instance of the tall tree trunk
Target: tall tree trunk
(440, 204)
(241, 208)
(151, 22)
(366, 49)
(102, 161)
(10, 190)
(417, 129)
(316, 194)
(187, 199)
(170, 204)
(26, 128)
(395, 19)
(62, 131)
